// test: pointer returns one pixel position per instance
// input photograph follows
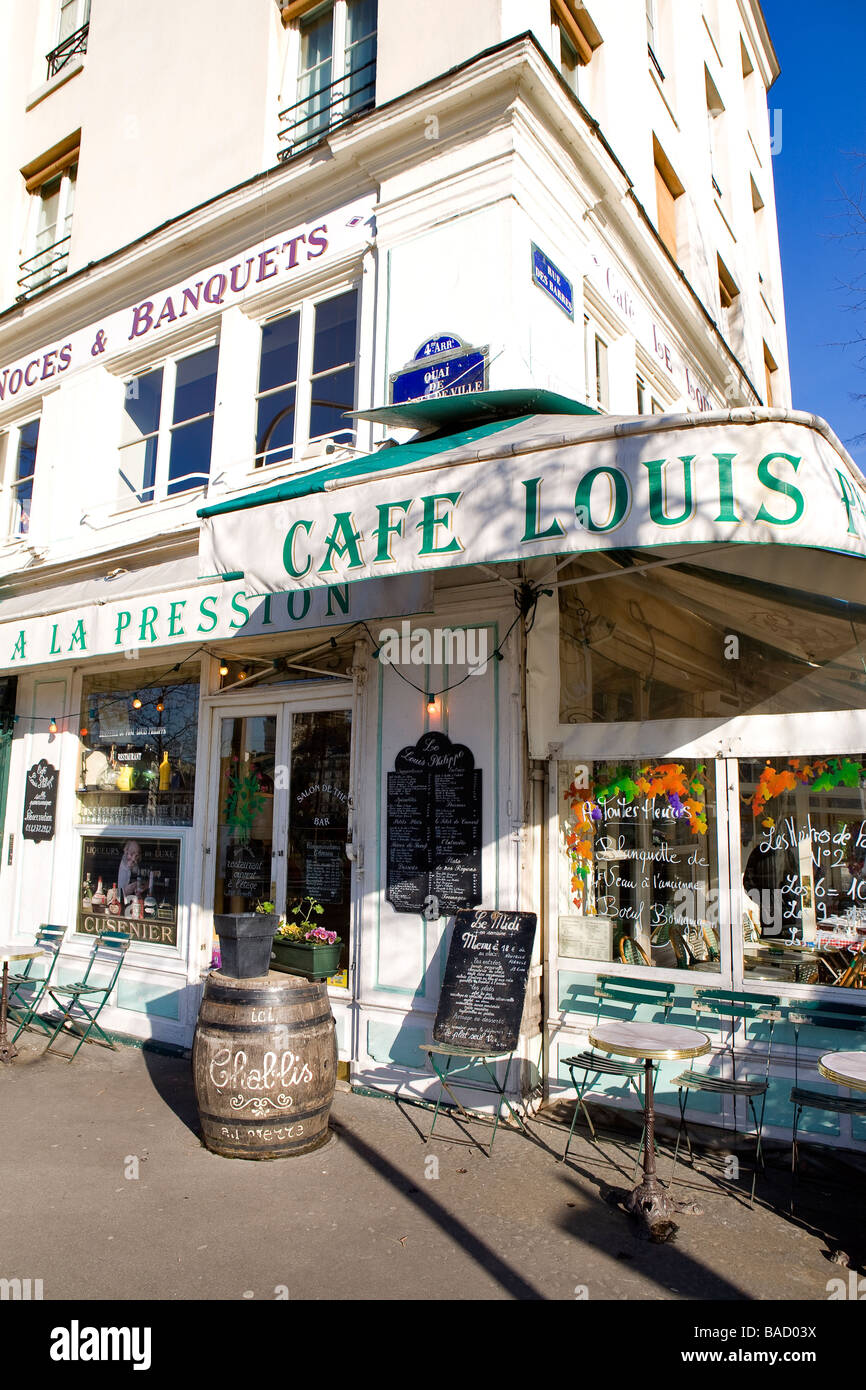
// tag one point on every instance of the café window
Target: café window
(167, 429)
(18, 450)
(137, 749)
(684, 641)
(639, 864)
(303, 401)
(803, 859)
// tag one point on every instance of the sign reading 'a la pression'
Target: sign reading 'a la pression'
(259, 268)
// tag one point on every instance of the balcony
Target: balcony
(312, 117)
(63, 54)
(46, 265)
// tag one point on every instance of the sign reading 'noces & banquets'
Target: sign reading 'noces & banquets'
(592, 486)
(257, 269)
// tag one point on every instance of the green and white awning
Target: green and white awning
(553, 480)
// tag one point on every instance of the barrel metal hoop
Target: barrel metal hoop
(220, 994)
(283, 1117)
(298, 1026)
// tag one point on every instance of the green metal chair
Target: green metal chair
(667, 933)
(619, 995)
(739, 1009)
(26, 989)
(82, 1003)
(846, 1018)
(631, 952)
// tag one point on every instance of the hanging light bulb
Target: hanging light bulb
(431, 701)
(52, 727)
(160, 706)
(224, 670)
(136, 704)
(84, 732)
(242, 675)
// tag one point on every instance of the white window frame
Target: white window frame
(339, 28)
(65, 213)
(304, 379)
(130, 500)
(597, 365)
(81, 10)
(10, 443)
(562, 45)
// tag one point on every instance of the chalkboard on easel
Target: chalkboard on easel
(484, 989)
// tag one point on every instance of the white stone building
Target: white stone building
(224, 226)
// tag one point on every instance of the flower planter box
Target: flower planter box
(245, 942)
(312, 959)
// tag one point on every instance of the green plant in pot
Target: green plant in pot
(245, 941)
(303, 948)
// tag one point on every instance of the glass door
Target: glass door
(279, 816)
(245, 863)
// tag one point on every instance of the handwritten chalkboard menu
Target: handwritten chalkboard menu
(40, 802)
(434, 828)
(482, 997)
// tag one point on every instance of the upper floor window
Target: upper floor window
(668, 190)
(72, 30)
(51, 181)
(653, 34)
(301, 401)
(597, 394)
(168, 428)
(336, 69)
(575, 37)
(715, 120)
(18, 450)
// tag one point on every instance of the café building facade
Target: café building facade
(251, 582)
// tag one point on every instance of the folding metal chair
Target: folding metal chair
(23, 1003)
(622, 995)
(845, 1017)
(83, 1002)
(739, 1009)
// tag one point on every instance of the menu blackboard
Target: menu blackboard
(434, 828)
(40, 802)
(481, 1003)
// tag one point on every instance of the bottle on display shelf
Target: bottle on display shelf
(165, 773)
(98, 900)
(150, 905)
(87, 895)
(112, 902)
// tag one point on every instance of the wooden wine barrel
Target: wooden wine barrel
(264, 1063)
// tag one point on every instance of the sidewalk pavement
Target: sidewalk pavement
(376, 1214)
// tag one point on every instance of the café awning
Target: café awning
(512, 476)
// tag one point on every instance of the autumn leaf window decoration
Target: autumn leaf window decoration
(685, 794)
(822, 774)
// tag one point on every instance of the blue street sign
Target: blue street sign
(446, 342)
(548, 278)
(456, 376)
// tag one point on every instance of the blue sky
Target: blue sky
(822, 97)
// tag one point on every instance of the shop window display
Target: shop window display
(803, 855)
(639, 843)
(138, 748)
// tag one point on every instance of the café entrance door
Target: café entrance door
(278, 813)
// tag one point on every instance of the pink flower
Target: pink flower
(328, 938)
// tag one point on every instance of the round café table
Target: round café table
(845, 1068)
(10, 951)
(650, 1202)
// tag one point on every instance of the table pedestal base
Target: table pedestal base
(8, 1053)
(650, 1203)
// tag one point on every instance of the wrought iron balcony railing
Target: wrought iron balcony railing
(67, 50)
(47, 264)
(312, 117)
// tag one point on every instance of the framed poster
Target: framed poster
(129, 884)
